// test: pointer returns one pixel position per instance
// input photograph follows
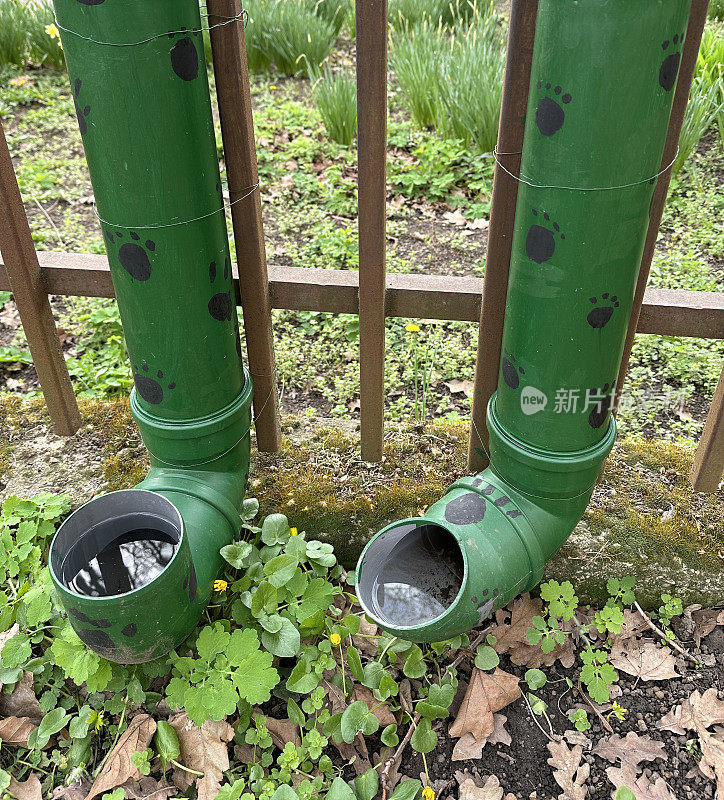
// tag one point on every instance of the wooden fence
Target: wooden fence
(372, 293)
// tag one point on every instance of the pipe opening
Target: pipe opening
(122, 542)
(412, 576)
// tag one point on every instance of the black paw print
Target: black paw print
(149, 388)
(670, 65)
(599, 414)
(220, 304)
(83, 617)
(510, 371)
(599, 316)
(134, 256)
(549, 113)
(468, 509)
(91, 2)
(540, 244)
(99, 641)
(130, 630)
(81, 113)
(185, 56)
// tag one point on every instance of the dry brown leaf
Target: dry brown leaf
(78, 790)
(147, 787)
(511, 636)
(486, 693)
(631, 750)
(14, 731)
(118, 767)
(705, 620)
(282, 731)
(29, 789)
(697, 711)
(633, 625)
(644, 659)
(491, 790)
(382, 712)
(366, 639)
(568, 771)
(203, 749)
(460, 387)
(642, 787)
(455, 217)
(22, 702)
(468, 747)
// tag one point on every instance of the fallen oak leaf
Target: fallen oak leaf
(203, 750)
(14, 731)
(486, 693)
(380, 710)
(29, 789)
(698, 710)
(705, 621)
(644, 659)
(568, 771)
(118, 767)
(282, 731)
(631, 750)
(22, 702)
(491, 790)
(712, 757)
(468, 746)
(148, 787)
(642, 787)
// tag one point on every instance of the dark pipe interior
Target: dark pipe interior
(116, 543)
(413, 575)
(119, 555)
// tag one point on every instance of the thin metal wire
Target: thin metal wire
(527, 182)
(249, 191)
(242, 17)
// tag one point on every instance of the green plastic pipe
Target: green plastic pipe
(602, 86)
(141, 95)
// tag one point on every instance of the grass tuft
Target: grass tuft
(335, 93)
(28, 34)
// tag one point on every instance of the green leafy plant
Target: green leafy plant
(580, 720)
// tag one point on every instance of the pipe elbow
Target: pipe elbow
(488, 539)
(135, 568)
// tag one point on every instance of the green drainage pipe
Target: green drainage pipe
(135, 568)
(602, 85)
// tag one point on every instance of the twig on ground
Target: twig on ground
(396, 755)
(478, 640)
(606, 724)
(671, 642)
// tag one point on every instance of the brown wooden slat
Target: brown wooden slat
(697, 21)
(706, 474)
(371, 21)
(669, 312)
(22, 277)
(519, 58)
(228, 45)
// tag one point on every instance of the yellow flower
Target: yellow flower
(293, 532)
(52, 31)
(220, 585)
(336, 639)
(412, 328)
(428, 793)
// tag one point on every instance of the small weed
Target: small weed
(335, 93)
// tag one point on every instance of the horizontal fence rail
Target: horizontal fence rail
(668, 312)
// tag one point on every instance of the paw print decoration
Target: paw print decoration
(150, 388)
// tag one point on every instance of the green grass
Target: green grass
(335, 93)
(706, 103)
(23, 36)
(406, 13)
(452, 80)
(289, 34)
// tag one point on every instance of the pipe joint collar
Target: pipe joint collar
(198, 441)
(545, 474)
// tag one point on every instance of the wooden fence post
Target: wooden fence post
(23, 270)
(519, 58)
(706, 474)
(237, 129)
(697, 21)
(371, 19)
